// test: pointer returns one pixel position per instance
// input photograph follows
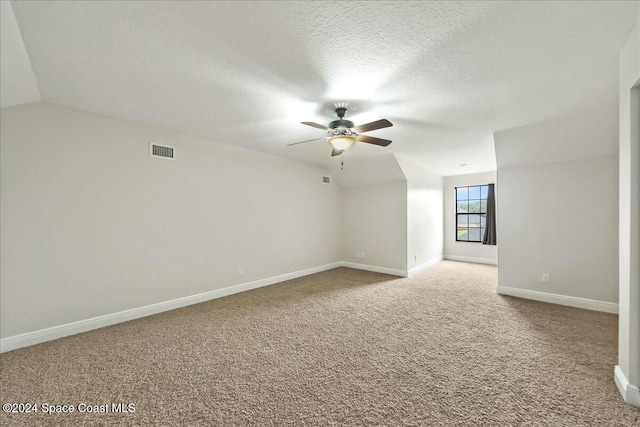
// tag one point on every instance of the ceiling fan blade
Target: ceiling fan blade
(315, 125)
(378, 124)
(335, 152)
(302, 142)
(373, 140)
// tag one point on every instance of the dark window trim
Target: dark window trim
(470, 213)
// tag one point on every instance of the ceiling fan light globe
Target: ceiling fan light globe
(341, 142)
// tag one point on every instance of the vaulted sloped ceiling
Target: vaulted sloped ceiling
(447, 74)
(17, 82)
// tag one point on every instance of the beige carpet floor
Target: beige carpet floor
(339, 348)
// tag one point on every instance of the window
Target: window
(471, 213)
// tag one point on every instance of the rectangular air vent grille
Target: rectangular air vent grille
(161, 151)
(326, 179)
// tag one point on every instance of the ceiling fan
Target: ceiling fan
(341, 133)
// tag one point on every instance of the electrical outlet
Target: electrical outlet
(239, 271)
(546, 278)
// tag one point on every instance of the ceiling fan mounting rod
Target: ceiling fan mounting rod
(341, 123)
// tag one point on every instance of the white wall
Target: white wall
(424, 215)
(91, 225)
(375, 222)
(560, 219)
(628, 369)
(381, 168)
(465, 251)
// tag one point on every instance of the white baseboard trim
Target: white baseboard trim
(55, 332)
(471, 259)
(589, 304)
(424, 266)
(48, 334)
(374, 268)
(630, 392)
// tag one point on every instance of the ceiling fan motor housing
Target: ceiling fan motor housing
(341, 124)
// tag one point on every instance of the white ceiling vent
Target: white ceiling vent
(161, 151)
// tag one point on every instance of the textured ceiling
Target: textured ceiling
(447, 74)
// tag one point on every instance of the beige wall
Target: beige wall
(424, 215)
(91, 225)
(374, 222)
(560, 219)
